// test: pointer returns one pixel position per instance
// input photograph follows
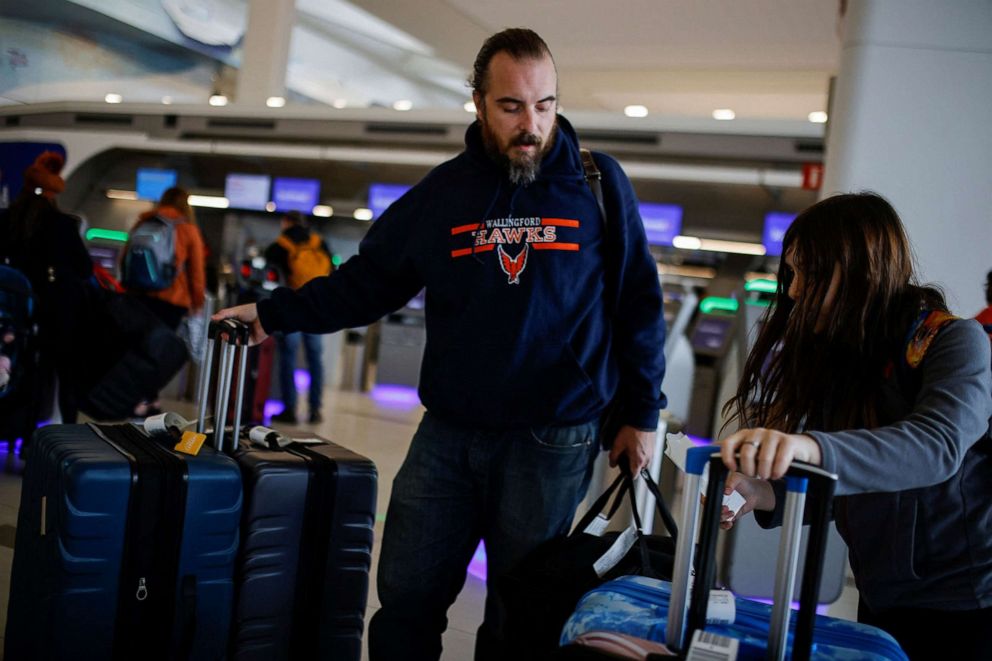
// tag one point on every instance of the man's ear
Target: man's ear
(477, 100)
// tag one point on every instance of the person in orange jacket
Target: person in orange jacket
(187, 291)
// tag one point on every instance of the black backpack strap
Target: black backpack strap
(595, 180)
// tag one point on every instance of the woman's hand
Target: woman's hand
(766, 453)
(758, 495)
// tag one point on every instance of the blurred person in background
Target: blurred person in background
(300, 255)
(43, 242)
(178, 288)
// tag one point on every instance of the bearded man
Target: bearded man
(538, 314)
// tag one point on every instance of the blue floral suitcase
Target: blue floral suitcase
(660, 611)
(638, 606)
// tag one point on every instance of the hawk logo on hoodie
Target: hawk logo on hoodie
(513, 266)
(499, 234)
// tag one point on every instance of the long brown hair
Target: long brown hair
(800, 377)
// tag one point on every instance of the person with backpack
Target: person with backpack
(164, 265)
(43, 243)
(300, 255)
(862, 371)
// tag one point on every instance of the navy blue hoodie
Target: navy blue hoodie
(525, 327)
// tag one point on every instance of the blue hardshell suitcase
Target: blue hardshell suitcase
(125, 548)
(661, 611)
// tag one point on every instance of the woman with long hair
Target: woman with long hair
(862, 371)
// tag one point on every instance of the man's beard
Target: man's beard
(524, 168)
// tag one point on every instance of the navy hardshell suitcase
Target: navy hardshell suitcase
(125, 549)
(303, 571)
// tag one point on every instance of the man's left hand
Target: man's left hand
(636, 445)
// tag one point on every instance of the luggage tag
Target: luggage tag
(676, 446)
(708, 646)
(190, 443)
(166, 424)
(268, 438)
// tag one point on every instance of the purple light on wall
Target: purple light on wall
(302, 380)
(698, 440)
(43, 423)
(17, 445)
(477, 567)
(393, 396)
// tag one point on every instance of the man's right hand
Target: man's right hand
(758, 495)
(247, 313)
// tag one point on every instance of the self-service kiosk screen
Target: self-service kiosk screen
(247, 191)
(711, 333)
(151, 183)
(105, 256)
(382, 195)
(662, 222)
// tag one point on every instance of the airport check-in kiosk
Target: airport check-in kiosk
(712, 338)
(402, 337)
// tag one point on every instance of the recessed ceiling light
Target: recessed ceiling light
(724, 114)
(275, 102)
(362, 214)
(636, 111)
(113, 98)
(402, 104)
(270, 206)
(469, 106)
(167, 100)
(818, 117)
(218, 100)
(340, 103)
(323, 211)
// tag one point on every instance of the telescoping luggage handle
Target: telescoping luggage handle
(799, 479)
(234, 336)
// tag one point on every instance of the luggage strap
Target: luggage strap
(146, 601)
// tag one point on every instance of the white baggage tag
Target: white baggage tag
(616, 552)
(157, 425)
(597, 526)
(708, 646)
(676, 446)
(722, 608)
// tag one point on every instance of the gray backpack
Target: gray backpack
(150, 261)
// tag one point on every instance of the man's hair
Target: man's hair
(518, 43)
(296, 218)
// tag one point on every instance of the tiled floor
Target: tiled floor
(377, 431)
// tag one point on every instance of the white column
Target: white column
(266, 50)
(911, 119)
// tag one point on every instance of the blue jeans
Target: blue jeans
(289, 345)
(512, 489)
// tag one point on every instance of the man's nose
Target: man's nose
(528, 121)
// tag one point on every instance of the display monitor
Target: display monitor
(152, 182)
(105, 256)
(711, 333)
(291, 194)
(382, 195)
(247, 191)
(662, 222)
(776, 224)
